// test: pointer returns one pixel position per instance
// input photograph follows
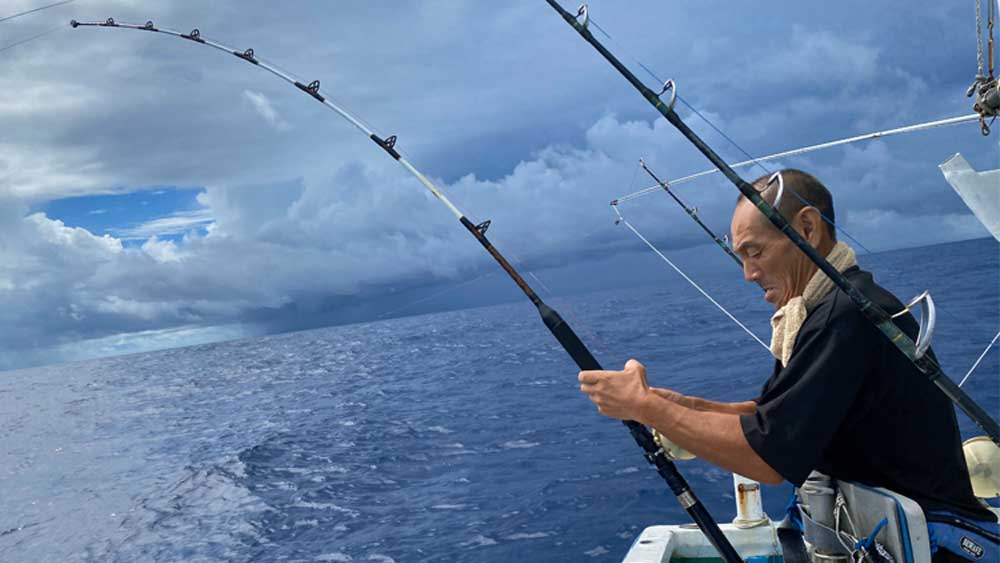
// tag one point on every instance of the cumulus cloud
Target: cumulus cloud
(301, 243)
(300, 222)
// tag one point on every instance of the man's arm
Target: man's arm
(716, 437)
(706, 405)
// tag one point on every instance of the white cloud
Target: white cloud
(262, 105)
(177, 223)
(299, 220)
(161, 250)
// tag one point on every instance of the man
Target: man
(842, 399)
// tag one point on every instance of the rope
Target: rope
(989, 26)
(867, 543)
(979, 37)
(981, 356)
(693, 283)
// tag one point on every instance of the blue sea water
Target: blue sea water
(456, 436)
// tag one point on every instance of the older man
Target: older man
(842, 399)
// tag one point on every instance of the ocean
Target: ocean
(457, 436)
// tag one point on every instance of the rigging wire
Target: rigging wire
(32, 38)
(981, 356)
(33, 10)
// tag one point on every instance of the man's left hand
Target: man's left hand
(618, 394)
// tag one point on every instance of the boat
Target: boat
(854, 512)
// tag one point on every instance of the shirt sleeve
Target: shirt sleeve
(799, 413)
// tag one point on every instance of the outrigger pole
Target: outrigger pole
(556, 325)
(881, 319)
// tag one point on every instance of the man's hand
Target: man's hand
(618, 394)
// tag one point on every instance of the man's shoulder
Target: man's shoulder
(837, 309)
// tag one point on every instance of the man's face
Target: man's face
(769, 259)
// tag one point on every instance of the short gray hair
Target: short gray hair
(806, 191)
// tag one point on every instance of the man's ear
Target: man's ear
(810, 225)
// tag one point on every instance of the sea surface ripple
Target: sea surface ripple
(456, 436)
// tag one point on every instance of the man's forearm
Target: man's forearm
(706, 405)
(716, 437)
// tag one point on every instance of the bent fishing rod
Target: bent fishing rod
(879, 317)
(563, 333)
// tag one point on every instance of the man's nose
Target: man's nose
(750, 273)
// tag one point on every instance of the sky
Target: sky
(155, 193)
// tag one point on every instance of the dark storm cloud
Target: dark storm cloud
(518, 119)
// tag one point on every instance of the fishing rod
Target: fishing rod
(880, 318)
(691, 211)
(563, 333)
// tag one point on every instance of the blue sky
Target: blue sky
(156, 193)
(165, 211)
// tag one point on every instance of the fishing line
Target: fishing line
(750, 159)
(564, 305)
(448, 289)
(659, 80)
(33, 10)
(32, 38)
